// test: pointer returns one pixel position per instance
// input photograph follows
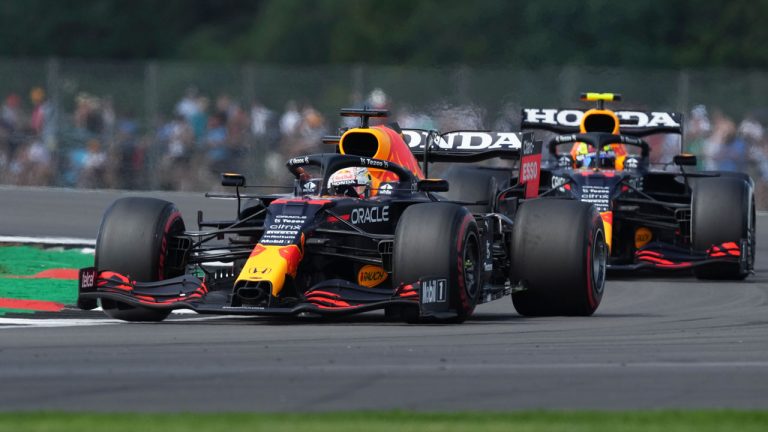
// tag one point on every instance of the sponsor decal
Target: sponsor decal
(298, 161)
(558, 181)
(343, 182)
(434, 291)
(597, 195)
(572, 118)
(641, 119)
(564, 162)
(416, 138)
(466, 140)
(528, 148)
(530, 171)
(530, 168)
(631, 163)
(373, 163)
(364, 215)
(385, 189)
(310, 187)
(488, 265)
(255, 308)
(371, 275)
(283, 230)
(261, 270)
(553, 116)
(643, 236)
(88, 278)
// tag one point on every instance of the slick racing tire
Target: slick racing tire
(133, 240)
(440, 240)
(559, 256)
(472, 184)
(723, 210)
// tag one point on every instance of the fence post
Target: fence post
(256, 148)
(358, 84)
(52, 126)
(569, 82)
(683, 90)
(150, 120)
(249, 84)
(461, 78)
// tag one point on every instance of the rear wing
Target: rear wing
(465, 146)
(635, 123)
(473, 146)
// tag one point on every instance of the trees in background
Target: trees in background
(651, 33)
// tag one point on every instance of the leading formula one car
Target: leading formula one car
(364, 229)
(654, 218)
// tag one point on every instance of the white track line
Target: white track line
(16, 323)
(53, 241)
(11, 323)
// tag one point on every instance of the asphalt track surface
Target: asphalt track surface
(655, 342)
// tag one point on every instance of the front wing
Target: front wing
(662, 256)
(331, 297)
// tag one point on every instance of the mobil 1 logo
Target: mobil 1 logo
(434, 291)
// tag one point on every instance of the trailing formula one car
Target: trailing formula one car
(364, 229)
(654, 218)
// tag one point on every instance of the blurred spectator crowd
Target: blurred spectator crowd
(98, 145)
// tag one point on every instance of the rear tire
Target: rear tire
(133, 241)
(559, 255)
(440, 240)
(723, 210)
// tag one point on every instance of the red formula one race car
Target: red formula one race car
(363, 229)
(657, 216)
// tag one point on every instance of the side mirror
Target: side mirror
(331, 139)
(432, 185)
(685, 159)
(232, 179)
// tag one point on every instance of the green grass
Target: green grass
(28, 261)
(56, 290)
(649, 421)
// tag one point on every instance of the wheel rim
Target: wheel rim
(471, 268)
(599, 261)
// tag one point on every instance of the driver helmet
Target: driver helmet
(581, 155)
(607, 158)
(353, 182)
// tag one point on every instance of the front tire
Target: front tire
(559, 255)
(134, 241)
(723, 210)
(440, 240)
